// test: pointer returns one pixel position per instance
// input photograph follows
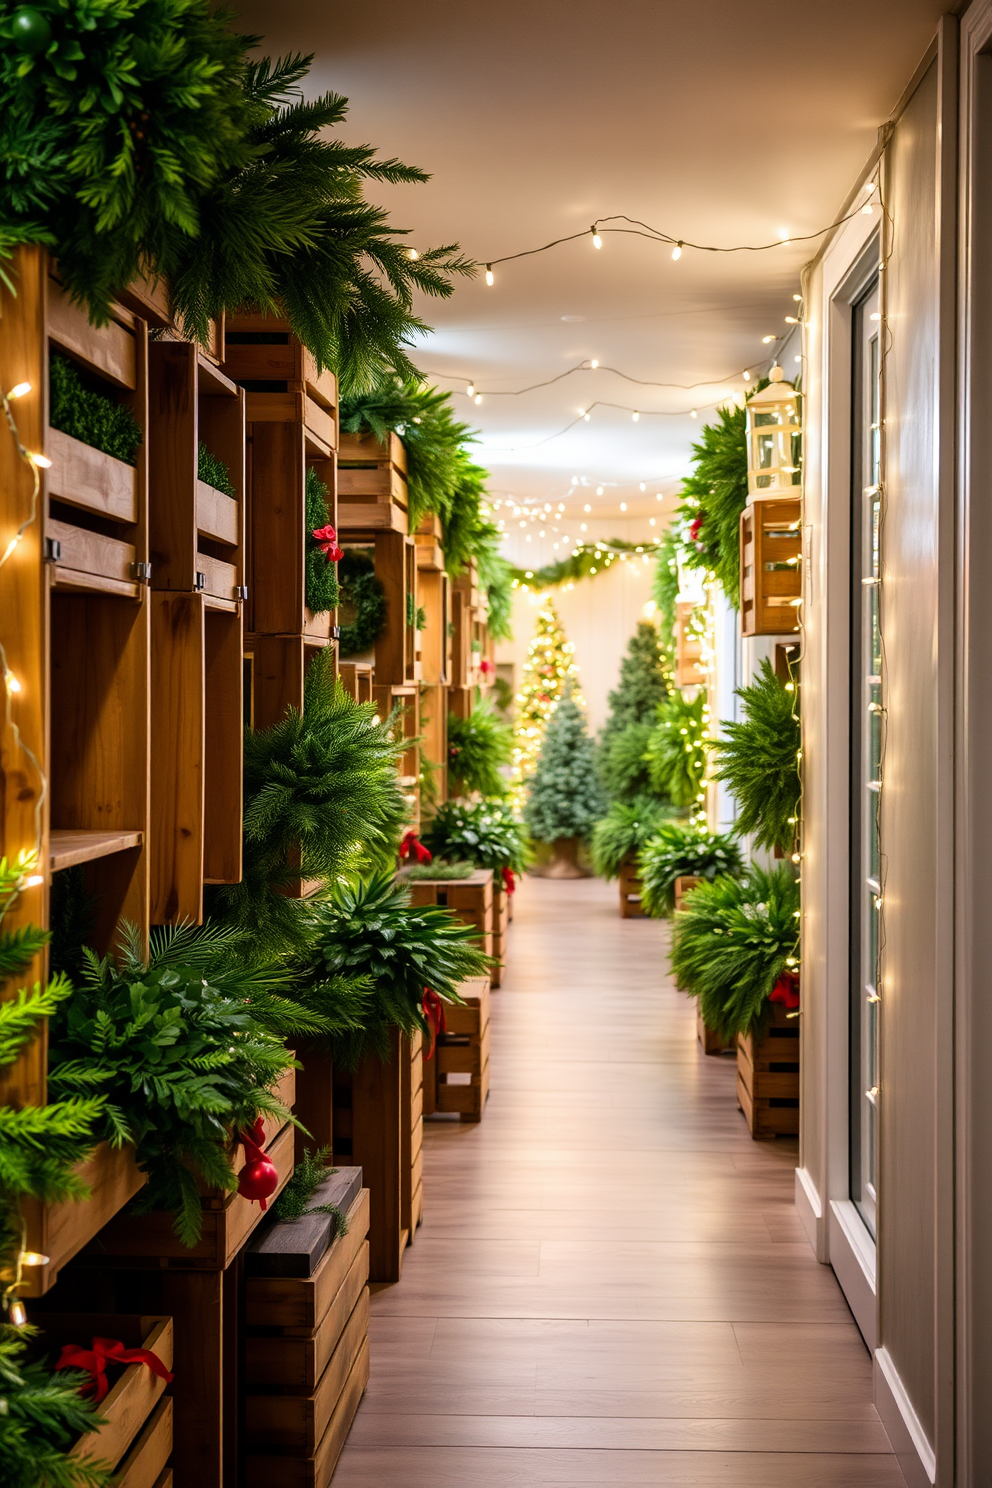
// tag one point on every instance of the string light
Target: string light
(677, 252)
(470, 390)
(594, 365)
(635, 416)
(412, 255)
(489, 274)
(597, 241)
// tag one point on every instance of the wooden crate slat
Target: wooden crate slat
(68, 848)
(217, 516)
(147, 1459)
(282, 1471)
(297, 1364)
(178, 744)
(357, 518)
(61, 1230)
(298, 1304)
(92, 553)
(86, 477)
(108, 350)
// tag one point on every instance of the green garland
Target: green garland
(94, 418)
(362, 592)
(759, 760)
(322, 587)
(213, 471)
(588, 559)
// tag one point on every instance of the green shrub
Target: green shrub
(758, 760)
(213, 471)
(93, 417)
(364, 599)
(625, 829)
(675, 751)
(564, 796)
(623, 766)
(678, 850)
(478, 746)
(322, 588)
(486, 835)
(731, 941)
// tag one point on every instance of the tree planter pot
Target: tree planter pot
(564, 860)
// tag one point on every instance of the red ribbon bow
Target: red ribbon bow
(786, 991)
(93, 1361)
(326, 540)
(485, 666)
(412, 847)
(694, 527)
(436, 1021)
(509, 881)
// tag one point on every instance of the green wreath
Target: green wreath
(363, 594)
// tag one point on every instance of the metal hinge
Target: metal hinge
(142, 572)
(241, 591)
(335, 632)
(200, 582)
(53, 550)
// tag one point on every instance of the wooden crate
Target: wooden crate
(280, 1470)
(768, 1076)
(61, 1230)
(412, 1135)
(375, 1116)
(471, 899)
(462, 1050)
(630, 890)
(771, 565)
(501, 923)
(134, 1428)
(290, 1311)
(358, 680)
(688, 649)
(372, 481)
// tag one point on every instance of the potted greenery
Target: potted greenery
(758, 758)
(479, 747)
(683, 850)
(564, 798)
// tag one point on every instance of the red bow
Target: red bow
(434, 1013)
(93, 1361)
(694, 527)
(485, 666)
(509, 882)
(786, 991)
(326, 540)
(412, 847)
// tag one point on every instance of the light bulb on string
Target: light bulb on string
(477, 399)
(594, 363)
(677, 252)
(767, 340)
(470, 390)
(597, 241)
(42, 461)
(19, 390)
(747, 377)
(489, 274)
(412, 255)
(634, 416)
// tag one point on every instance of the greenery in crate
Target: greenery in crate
(479, 746)
(416, 615)
(676, 749)
(368, 928)
(213, 471)
(321, 797)
(312, 1169)
(565, 798)
(714, 497)
(486, 835)
(185, 1048)
(683, 850)
(77, 408)
(623, 763)
(758, 758)
(642, 684)
(230, 190)
(42, 1414)
(438, 869)
(363, 597)
(732, 941)
(624, 830)
(322, 587)
(665, 589)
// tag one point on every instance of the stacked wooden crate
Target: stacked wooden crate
(469, 641)
(768, 1075)
(629, 880)
(456, 1080)
(502, 900)
(434, 597)
(470, 898)
(306, 1358)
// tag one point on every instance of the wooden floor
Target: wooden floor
(611, 1286)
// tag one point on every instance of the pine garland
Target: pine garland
(42, 1414)
(587, 559)
(565, 798)
(759, 760)
(213, 471)
(625, 828)
(479, 746)
(675, 751)
(321, 583)
(362, 596)
(676, 850)
(714, 497)
(731, 941)
(95, 418)
(665, 589)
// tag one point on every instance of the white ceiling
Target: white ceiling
(718, 121)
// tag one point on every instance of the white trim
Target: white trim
(909, 1440)
(811, 1213)
(852, 1255)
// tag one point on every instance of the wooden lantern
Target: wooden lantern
(774, 431)
(771, 565)
(689, 670)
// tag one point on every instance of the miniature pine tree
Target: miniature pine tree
(549, 666)
(642, 684)
(565, 797)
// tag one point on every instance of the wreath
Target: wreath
(363, 595)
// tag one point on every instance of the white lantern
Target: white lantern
(774, 432)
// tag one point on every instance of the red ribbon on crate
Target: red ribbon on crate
(412, 847)
(326, 540)
(509, 880)
(436, 1021)
(94, 1360)
(258, 1178)
(786, 991)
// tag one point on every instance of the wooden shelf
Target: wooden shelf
(69, 847)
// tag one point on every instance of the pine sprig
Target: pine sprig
(312, 1169)
(713, 498)
(41, 1414)
(758, 759)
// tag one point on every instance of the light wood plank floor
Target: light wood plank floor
(611, 1286)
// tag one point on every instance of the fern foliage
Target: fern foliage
(731, 941)
(675, 751)
(680, 850)
(479, 746)
(624, 830)
(714, 497)
(758, 758)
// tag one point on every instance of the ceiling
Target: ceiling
(718, 122)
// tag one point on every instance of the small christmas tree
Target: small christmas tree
(642, 683)
(549, 666)
(565, 799)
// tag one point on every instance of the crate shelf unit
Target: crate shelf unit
(456, 1080)
(434, 596)
(197, 548)
(469, 641)
(291, 412)
(771, 565)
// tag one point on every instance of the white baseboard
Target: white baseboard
(909, 1441)
(811, 1213)
(852, 1256)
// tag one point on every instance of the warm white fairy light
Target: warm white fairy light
(597, 241)
(677, 252)
(489, 274)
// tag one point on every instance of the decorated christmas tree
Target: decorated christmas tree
(549, 666)
(565, 799)
(642, 684)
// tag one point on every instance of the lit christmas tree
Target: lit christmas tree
(548, 667)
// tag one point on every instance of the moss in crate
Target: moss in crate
(95, 418)
(323, 591)
(416, 615)
(363, 599)
(213, 472)
(431, 871)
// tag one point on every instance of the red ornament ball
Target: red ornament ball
(258, 1180)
